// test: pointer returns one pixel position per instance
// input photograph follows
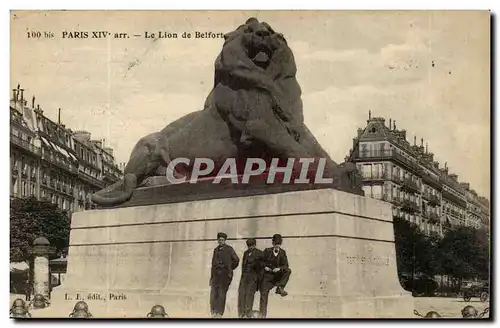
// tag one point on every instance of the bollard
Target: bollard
(432, 314)
(157, 312)
(39, 302)
(19, 309)
(254, 314)
(80, 311)
(469, 312)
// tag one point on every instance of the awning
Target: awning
(73, 157)
(58, 149)
(452, 221)
(46, 142)
(19, 266)
(63, 151)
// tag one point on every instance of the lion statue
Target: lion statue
(254, 110)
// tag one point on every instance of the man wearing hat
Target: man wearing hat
(251, 272)
(276, 272)
(224, 261)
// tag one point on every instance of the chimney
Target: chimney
(426, 147)
(414, 140)
(360, 132)
(394, 125)
(390, 122)
(445, 165)
(59, 116)
(369, 114)
(14, 95)
(98, 143)
(466, 186)
(403, 134)
(421, 142)
(33, 102)
(22, 95)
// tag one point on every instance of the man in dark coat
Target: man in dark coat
(224, 261)
(276, 272)
(251, 273)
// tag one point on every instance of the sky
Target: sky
(429, 71)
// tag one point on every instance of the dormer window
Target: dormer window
(373, 129)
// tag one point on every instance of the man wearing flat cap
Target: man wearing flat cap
(276, 272)
(224, 261)
(251, 273)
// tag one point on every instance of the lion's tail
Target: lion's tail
(117, 193)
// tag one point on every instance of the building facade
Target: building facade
(407, 176)
(51, 162)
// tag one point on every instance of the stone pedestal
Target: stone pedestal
(340, 246)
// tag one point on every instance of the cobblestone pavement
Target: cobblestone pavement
(446, 306)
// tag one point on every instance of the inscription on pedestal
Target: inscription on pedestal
(368, 260)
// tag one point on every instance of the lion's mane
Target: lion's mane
(239, 77)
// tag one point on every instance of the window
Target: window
(368, 191)
(377, 192)
(366, 171)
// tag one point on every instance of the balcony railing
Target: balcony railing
(396, 201)
(115, 177)
(91, 179)
(367, 177)
(58, 161)
(387, 154)
(410, 185)
(396, 178)
(432, 180)
(410, 206)
(454, 198)
(24, 144)
(455, 214)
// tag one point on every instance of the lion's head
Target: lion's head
(255, 56)
(260, 42)
(256, 41)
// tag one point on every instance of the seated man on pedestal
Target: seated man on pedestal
(276, 272)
